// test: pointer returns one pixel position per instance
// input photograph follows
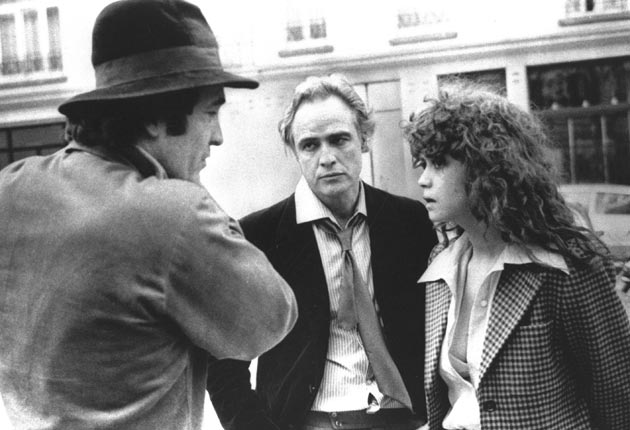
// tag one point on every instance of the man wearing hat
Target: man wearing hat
(119, 274)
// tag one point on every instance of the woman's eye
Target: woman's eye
(420, 163)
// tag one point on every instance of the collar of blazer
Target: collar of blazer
(296, 249)
(518, 285)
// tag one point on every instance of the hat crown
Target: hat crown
(144, 48)
(131, 27)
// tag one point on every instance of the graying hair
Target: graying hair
(322, 87)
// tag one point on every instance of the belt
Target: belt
(361, 419)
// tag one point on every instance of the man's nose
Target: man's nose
(328, 155)
(216, 138)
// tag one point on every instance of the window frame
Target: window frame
(39, 56)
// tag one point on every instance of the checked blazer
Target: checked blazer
(289, 375)
(556, 353)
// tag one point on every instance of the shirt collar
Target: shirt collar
(136, 156)
(442, 266)
(309, 208)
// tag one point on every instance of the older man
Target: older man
(352, 254)
(119, 274)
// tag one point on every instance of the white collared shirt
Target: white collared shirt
(464, 412)
(345, 385)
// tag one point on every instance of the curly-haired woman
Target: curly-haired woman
(524, 328)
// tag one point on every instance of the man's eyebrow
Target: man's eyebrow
(307, 139)
(340, 134)
(218, 101)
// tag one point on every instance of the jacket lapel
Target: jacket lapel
(438, 299)
(380, 238)
(515, 291)
(296, 256)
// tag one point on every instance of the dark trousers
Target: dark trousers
(385, 419)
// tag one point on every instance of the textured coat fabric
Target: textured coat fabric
(556, 353)
(115, 287)
(288, 376)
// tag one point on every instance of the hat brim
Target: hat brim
(154, 86)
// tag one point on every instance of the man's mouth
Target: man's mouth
(330, 175)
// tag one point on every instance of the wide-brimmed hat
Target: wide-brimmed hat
(147, 47)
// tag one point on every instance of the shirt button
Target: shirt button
(312, 388)
(334, 414)
(484, 303)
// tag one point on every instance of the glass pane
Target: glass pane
(10, 60)
(33, 53)
(618, 147)
(558, 132)
(589, 160)
(612, 203)
(294, 32)
(318, 28)
(408, 18)
(494, 78)
(54, 39)
(585, 83)
(38, 136)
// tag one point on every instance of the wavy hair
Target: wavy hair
(511, 182)
(322, 87)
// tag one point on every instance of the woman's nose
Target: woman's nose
(424, 180)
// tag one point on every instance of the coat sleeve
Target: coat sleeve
(598, 333)
(222, 291)
(236, 403)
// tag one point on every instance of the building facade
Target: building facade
(568, 59)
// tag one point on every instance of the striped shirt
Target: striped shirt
(345, 385)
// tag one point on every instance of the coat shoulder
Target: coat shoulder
(260, 226)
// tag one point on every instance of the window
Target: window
(612, 203)
(494, 78)
(23, 141)
(306, 29)
(585, 11)
(30, 41)
(585, 106)
(419, 22)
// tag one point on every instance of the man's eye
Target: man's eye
(339, 140)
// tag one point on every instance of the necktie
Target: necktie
(356, 307)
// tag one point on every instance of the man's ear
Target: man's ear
(153, 128)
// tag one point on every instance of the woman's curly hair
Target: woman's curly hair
(510, 177)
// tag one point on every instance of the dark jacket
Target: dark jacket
(289, 375)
